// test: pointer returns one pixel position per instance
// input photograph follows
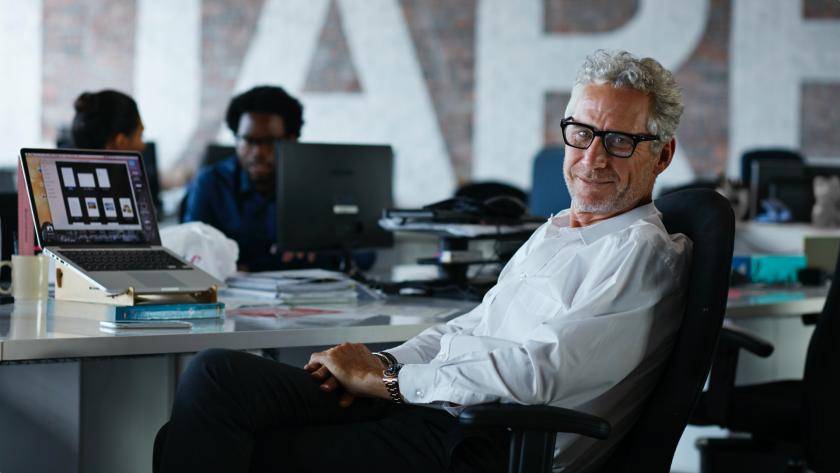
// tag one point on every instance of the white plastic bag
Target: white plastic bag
(204, 246)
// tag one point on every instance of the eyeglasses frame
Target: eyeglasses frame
(637, 138)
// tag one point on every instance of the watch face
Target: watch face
(393, 370)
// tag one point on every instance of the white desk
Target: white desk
(76, 399)
(31, 331)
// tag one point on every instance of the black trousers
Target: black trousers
(236, 412)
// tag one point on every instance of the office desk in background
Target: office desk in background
(76, 399)
(775, 238)
(750, 302)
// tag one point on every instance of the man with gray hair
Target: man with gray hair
(582, 317)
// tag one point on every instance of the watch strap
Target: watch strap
(390, 378)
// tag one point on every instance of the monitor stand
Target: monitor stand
(347, 265)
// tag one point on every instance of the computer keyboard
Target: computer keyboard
(123, 260)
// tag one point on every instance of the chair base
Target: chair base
(746, 455)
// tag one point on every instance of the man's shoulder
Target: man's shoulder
(219, 174)
(649, 236)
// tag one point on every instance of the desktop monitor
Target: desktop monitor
(331, 196)
(784, 177)
(8, 229)
(150, 163)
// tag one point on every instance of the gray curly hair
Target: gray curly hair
(647, 75)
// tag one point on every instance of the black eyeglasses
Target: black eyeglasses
(617, 143)
(257, 142)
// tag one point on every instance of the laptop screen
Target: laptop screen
(89, 197)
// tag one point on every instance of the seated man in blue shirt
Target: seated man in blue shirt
(237, 195)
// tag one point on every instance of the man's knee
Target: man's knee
(212, 357)
(213, 365)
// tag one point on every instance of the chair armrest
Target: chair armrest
(713, 408)
(735, 336)
(534, 418)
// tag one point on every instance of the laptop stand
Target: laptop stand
(71, 286)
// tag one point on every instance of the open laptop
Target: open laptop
(93, 211)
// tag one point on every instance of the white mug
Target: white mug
(30, 276)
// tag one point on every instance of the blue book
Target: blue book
(169, 311)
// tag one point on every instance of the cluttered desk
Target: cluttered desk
(60, 330)
(71, 386)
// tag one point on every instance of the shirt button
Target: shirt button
(419, 393)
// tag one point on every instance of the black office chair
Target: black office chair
(486, 190)
(791, 421)
(693, 184)
(705, 217)
(215, 153)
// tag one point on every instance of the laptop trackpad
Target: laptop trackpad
(155, 279)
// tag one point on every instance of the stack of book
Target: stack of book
(165, 311)
(295, 287)
(149, 316)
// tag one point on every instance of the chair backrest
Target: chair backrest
(821, 403)
(707, 219)
(548, 188)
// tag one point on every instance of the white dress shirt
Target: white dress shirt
(580, 318)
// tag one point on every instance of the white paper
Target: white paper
(69, 178)
(102, 177)
(75, 206)
(86, 180)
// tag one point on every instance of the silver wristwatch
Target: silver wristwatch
(390, 378)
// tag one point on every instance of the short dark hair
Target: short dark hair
(100, 116)
(266, 99)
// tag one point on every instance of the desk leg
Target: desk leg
(124, 402)
(39, 417)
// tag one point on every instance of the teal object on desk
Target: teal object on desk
(776, 269)
(165, 311)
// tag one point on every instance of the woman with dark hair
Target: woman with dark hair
(107, 120)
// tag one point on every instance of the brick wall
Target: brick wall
(89, 45)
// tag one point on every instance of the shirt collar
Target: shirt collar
(592, 233)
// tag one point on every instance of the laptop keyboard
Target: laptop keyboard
(123, 260)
